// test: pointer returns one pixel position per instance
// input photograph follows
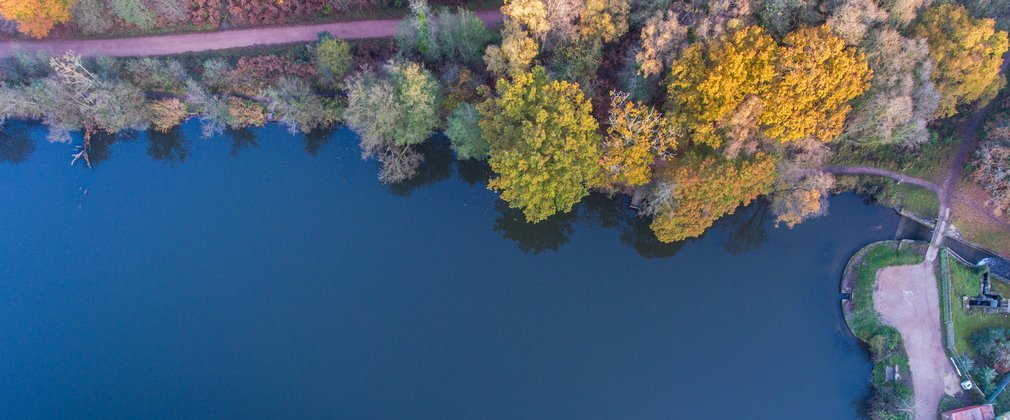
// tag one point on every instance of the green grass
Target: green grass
(886, 347)
(965, 281)
(924, 162)
(913, 198)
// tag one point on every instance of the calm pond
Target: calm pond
(263, 275)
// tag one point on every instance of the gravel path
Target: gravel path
(219, 40)
(907, 299)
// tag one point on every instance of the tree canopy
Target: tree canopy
(696, 191)
(711, 80)
(544, 148)
(817, 78)
(968, 53)
(36, 17)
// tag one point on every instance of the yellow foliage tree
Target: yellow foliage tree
(530, 14)
(605, 20)
(36, 17)
(544, 148)
(711, 80)
(167, 113)
(968, 53)
(703, 189)
(635, 137)
(817, 78)
(515, 54)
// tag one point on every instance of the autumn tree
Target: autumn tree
(853, 18)
(393, 111)
(636, 136)
(528, 15)
(544, 149)
(901, 100)
(167, 113)
(604, 20)
(817, 78)
(562, 20)
(516, 53)
(697, 190)
(902, 12)
(36, 17)
(992, 164)
(711, 80)
(801, 190)
(968, 53)
(245, 113)
(662, 39)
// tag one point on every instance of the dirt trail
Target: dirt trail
(219, 40)
(906, 298)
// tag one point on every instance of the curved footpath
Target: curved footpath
(220, 40)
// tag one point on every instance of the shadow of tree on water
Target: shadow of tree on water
(15, 144)
(473, 171)
(637, 234)
(242, 138)
(316, 139)
(748, 231)
(169, 147)
(101, 144)
(533, 238)
(436, 167)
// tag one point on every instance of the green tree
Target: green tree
(544, 148)
(393, 111)
(297, 106)
(464, 133)
(968, 53)
(333, 57)
(75, 98)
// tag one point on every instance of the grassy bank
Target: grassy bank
(966, 280)
(884, 342)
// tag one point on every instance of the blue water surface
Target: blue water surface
(263, 275)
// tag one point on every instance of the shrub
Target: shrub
(333, 57)
(92, 16)
(167, 113)
(464, 133)
(134, 12)
(245, 113)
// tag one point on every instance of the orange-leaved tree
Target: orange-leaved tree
(711, 80)
(36, 17)
(968, 53)
(818, 75)
(698, 190)
(636, 135)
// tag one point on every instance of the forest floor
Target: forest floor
(220, 40)
(907, 298)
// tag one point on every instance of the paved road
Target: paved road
(219, 40)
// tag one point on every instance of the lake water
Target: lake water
(263, 275)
